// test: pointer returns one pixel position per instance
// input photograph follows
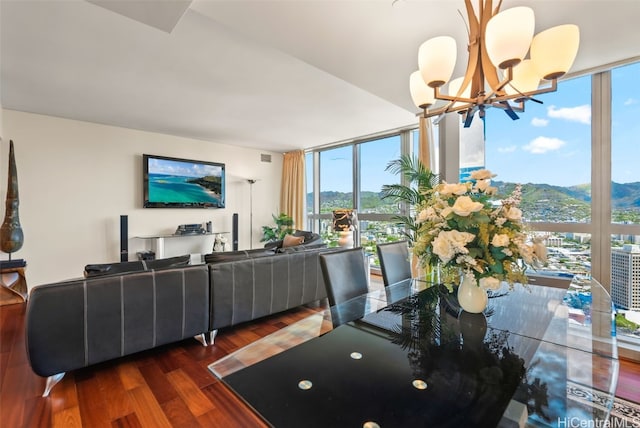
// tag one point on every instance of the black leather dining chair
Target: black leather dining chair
(394, 261)
(345, 275)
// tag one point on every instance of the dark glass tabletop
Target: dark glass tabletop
(407, 356)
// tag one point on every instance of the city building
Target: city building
(625, 276)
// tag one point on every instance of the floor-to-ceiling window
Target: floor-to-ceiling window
(352, 176)
(625, 199)
(576, 157)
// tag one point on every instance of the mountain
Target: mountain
(540, 202)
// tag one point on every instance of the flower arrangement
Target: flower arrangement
(463, 230)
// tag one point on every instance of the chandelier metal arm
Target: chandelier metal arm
(483, 85)
(523, 96)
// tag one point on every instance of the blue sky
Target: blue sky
(182, 169)
(550, 143)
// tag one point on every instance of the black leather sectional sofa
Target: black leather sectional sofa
(74, 324)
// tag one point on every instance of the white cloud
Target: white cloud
(508, 149)
(630, 101)
(581, 114)
(539, 122)
(542, 145)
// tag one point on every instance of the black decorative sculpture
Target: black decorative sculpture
(11, 235)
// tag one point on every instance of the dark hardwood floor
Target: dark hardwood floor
(165, 387)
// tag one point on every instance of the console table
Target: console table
(158, 241)
(407, 356)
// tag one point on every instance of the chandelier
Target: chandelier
(497, 75)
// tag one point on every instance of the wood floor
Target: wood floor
(166, 387)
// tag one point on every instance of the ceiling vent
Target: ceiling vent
(265, 158)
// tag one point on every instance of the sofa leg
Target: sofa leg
(201, 338)
(51, 382)
(212, 336)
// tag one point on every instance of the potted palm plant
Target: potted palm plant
(416, 179)
(284, 225)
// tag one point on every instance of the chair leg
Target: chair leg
(51, 382)
(201, 338)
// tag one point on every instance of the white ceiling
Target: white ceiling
(274, 75)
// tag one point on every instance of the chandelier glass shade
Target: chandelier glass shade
(497, 74)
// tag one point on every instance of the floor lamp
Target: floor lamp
(251, 181)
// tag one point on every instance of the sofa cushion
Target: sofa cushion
(231, 256)
(302, 247)
(93, 270)
(292, 241)
(171, 262)
(309, 238)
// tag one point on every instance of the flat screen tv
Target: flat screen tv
(182, 183)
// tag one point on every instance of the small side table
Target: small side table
(13, 279)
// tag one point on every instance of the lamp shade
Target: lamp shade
(436, 60)
(508, 36)
(422, 95)
(554, 50)
(525, 78)
(343, 220)
(454, 88)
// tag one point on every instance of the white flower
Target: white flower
(482, 185)
(540, 253)
(446, 212)
(513, 214)
(453, 189)
(500, 240)
(489, 283)
(491, 191)
(423, 216)
(481, 174)
(459, 242)
(526, 252)
(431, 214)
(451, 242)
(442, 248)
(464, 206)
(465, 259)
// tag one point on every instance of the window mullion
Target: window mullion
(601, 177)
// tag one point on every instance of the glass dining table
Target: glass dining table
(407, 356)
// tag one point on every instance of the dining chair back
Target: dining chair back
(345, 275)
(394, 262)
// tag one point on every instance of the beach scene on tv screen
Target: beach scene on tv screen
(172, 181)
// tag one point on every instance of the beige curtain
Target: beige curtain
(293, 187)
(425, 141)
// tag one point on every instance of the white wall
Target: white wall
(77, 178)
